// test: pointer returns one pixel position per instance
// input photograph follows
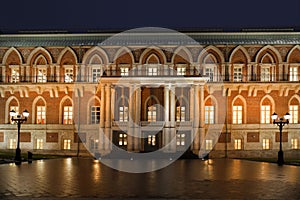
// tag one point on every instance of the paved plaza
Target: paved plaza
(84, 178)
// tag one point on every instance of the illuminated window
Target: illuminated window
(152, 71)
(68, 75)
(209, 71)
(294, 114)
(39, 143)
(68, 115)
(237, 115)
(40, 114)
(96, 73)
(238, 144)
(152, 113)
(16, 109)
(180, 113)
(94, 144)
(266, 143)
(209, 114)
(15, 75)
(42, 75)
(124, 71)
(181, 71)
(12, 144)
(265, 74)
(295, 143)
(123, 114)
(265, 114)
(208, 144)
(67, 144)
(95, 114)
(122, 139)
(151, 140)
(180, 139)
(237, 74)
(293, 73)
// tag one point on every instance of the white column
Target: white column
(196, 142)
(102, 116)
(112, 106)
(130, 129)
(172, 118)
(107, 116)
(57, 73)
(166, 132)
(137, 130)
(201, 117)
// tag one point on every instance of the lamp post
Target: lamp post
(280, 122)
(19, 119)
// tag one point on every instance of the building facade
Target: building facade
(216, 96)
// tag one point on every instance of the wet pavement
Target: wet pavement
(84, 178)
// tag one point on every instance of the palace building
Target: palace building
(146, 92)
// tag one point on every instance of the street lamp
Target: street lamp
(19, 119)
(280, 122)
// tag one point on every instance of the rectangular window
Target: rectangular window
(96, 74)
(12, 144)
(208, 144)
(123, 114)
(265, 74)
(68, 115)
(293, 73)
(41, 114)
(180, 139)
(266, 143)
(69, 75)
(42, 75)
(122, 139)
(209, 114)
(237, 115)
(124, 71)
(94, 144)
(237, 74)
(238, 144)
(209, 71)
(152, 114)
(294, 114)
(295, 143)
(95, 114)
(151, 140)
(67, 144)
(265, 114)
(180, 113)
(181, 71)
(16, 109)
(15, 75)
(39, 143)
(152, 71)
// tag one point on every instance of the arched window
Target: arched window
(238, 110)
(294, 110)
(152, 109)
(265, 111)
(67, 111)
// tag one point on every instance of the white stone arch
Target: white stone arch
(204, 53)
(8, 52)
(61, 106)
(146, 108)
(216, 106)
(62, 53)
(148, 49)
(34, 108)
(267, 96)
(291, 51)
(94, 98)
(273, 49)
(267, 55)
(37, 50)
(7, 111)
(189, 58)
(95, 50)
(123, 50)
(296, 96)
(244, 120)
(240, 47)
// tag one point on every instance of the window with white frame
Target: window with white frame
(237, 115)
(209, 71)
(295, 143)
(68, 115)
(124, 71)
(266, 144)
(181, 71)
(69, 75)
(12, 144)
(293, 73)
(123, 113)
(122, 139)
(237, 73)
(180, 113)
(265, 114)
(66, 144)
(266, 73)
(39, 143)
(41, 114)
(152, 113)
(209, 112)
(238, 144)
(95, 114)
(96, 73)
(15, 75)
(152, 140)
(293, 110)
(208, 145)
(94, 144)
(180, 139)
(16, 109)
(152, 71)
(41, 75)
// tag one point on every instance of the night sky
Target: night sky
(87, 15)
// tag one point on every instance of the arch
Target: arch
(9, 100)
(95, 99)
(295, 96)
(216, 106)
(34, 108)
(204, 53)
(146, 107)
(148, 49)
(271, 48)
(155, 57)
(244, 120)
(271, 100)
(95, 59)
(36, 50)
(121, 52)
(40, 57)
(8, 52)
(240, 47)
(291, 52)
(61, 106)
(265, 56)
(185, 50)
(95, 50)
(63, 53)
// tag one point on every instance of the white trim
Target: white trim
(7, 111)
(8, 52)
(37, 50)
(62, 53)
(33, 121)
